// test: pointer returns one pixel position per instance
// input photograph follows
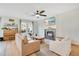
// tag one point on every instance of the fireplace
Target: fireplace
(50, 34)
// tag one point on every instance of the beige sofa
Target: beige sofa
(26, 47)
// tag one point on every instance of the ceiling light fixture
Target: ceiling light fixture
(37, 16)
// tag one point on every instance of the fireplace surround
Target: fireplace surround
(50, 34)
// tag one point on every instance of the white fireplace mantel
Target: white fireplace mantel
(50, 26)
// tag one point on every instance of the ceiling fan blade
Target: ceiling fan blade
(33, 14)
(43, 15)
(42, 11)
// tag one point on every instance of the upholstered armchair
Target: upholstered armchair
(61, 46)
(26, 47)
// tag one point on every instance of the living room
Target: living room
(38, 29)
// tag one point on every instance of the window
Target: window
(26, 27)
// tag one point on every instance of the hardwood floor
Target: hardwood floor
(75, 50)
(44, 51)
(8, 48)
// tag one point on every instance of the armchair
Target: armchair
(61, 47)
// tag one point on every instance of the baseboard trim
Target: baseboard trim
(75, 44)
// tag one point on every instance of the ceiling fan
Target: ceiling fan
(40, 13)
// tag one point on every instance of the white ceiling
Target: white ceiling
(25, 10)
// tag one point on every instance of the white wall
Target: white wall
(68, 25)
